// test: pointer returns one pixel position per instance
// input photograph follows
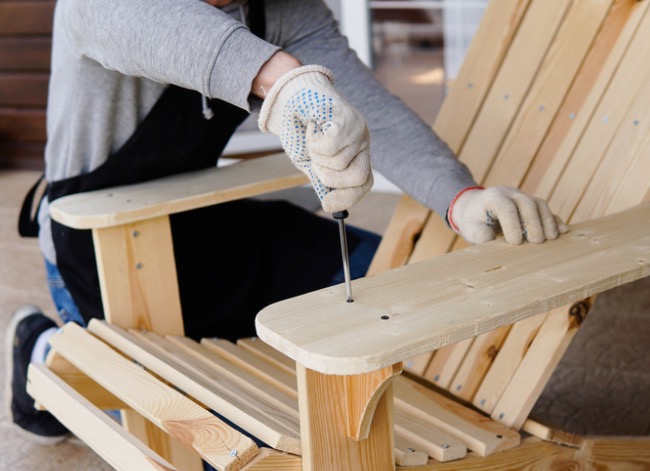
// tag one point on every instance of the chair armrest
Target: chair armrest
(126, 204)
(399, 314)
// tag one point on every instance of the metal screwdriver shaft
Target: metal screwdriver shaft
(340, 217)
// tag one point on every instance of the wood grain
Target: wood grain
(89, 423)
(190, 424)
(423, 306)
(122, 205)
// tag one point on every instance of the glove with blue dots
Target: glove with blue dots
(322, 134)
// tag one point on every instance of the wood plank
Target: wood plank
(528, 128)
(324, 428)
(519, 68)
(137, 276)
(438, 445)
(80, 382)
(269, 373)
(22, 125)
(94, 427)
(418, 364)
(616, 183)
(26, 17)
(27, 90)
(532, 455)
(191, 352)
(445, 360)
(533, 373)
(122, 205)
(407, 454)
(399, 238)
(629, 77)
(636, 193)
(476, 431)
(587, 89)
(25, 54)
(436, 302)
(483, 59)
(585, 94)
(464, 423)
(272, 460)
(436, 239)
(22, 155)
(268, 353)
(506, 362)
(617, 452)
(275, 428)
(477, 362)
(160, 442)
(190, 424)
(547, 92)
(551, 434)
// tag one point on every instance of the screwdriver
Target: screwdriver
(340, 217)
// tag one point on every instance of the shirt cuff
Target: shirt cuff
(239, 61)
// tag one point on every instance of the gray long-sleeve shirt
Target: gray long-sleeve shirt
(112, 60)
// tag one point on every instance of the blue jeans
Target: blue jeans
(65, 305)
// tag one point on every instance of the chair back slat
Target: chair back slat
(556, 104)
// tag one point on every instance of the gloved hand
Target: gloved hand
(323, 135)
(478, 214)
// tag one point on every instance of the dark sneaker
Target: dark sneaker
(23, 331)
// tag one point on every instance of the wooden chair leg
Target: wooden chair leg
(346, 421)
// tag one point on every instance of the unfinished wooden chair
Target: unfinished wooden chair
(554, 97)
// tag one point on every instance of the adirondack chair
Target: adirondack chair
(554, 97)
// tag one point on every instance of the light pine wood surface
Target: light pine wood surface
(426, 305)
(122, 205)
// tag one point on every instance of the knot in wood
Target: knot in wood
(492, 352)
(579, 311)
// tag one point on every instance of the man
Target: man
(147, 88)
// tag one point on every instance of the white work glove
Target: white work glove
(322, 134)
(478, 214)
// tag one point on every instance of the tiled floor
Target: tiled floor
(601, 386)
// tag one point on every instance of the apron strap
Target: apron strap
(28, 218)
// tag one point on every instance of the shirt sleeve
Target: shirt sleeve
(403, 147)
(182, 42)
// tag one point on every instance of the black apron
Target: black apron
(232, 259)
